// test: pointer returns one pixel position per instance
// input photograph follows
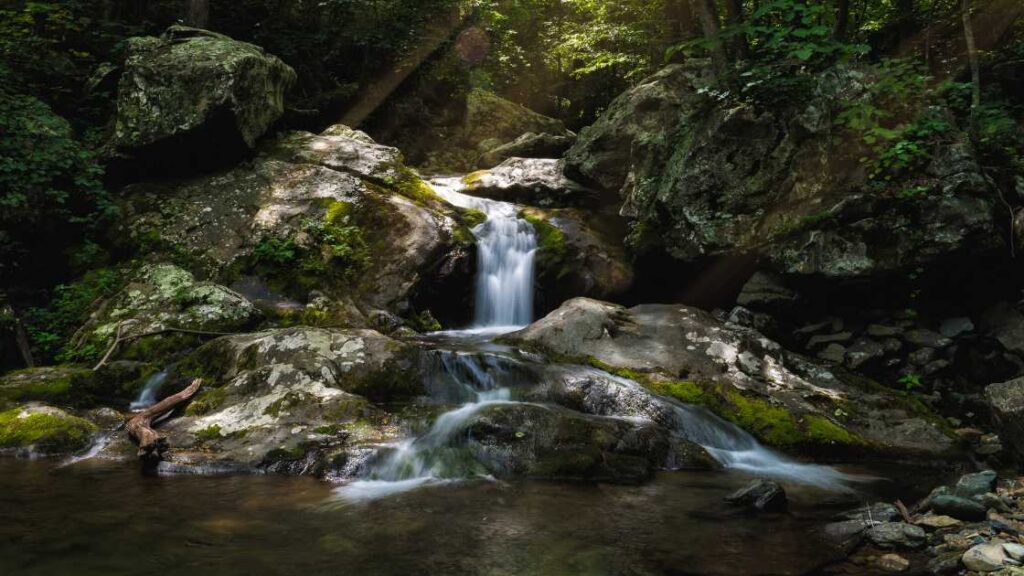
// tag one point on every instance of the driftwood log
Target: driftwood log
(152, 445)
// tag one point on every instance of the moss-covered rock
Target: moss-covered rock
(63, 385)
(782, 398)
(189, 79)
(40, 429)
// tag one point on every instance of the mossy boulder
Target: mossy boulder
(700, 176)
(64, 385)
(784, 399)
(334, 212)
(287, 395)
(195, 87)
(41, 429)
(163, 296)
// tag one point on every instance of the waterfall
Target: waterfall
(506, 246)
(147, 396)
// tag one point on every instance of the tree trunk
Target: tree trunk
(842, 26)
(21, 339)
(152, 445)
(734, 16)
(707, 11)
(679, 22)
(198, 13)
(972, 57)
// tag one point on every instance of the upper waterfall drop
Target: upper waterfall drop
(507, 245)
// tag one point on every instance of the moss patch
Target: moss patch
(45, 431)
(209, 433)
(207, 401)
(551, 247)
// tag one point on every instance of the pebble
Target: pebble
(937, 521)
(893, 563)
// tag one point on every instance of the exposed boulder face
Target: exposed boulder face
(193, 87)
(162, 296)
(575, 257)
(334, 212)
(699, 179)
(533, 181)
(535, 441)
(529, 145)
(1006, 401)
(288, 400)
(783, 398)
(38, 429)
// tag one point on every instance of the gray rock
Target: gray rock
(847, 534)
(760, 495)
(896, 535)
(765, 290)
(976, 484)
(1006, 402)
(863, 351)
(833, 353)
(892, 345)
(529, 145)
(984, 558)
(945, 564)
(877, 512)
(957, 507)
(921, 356)
(534, 181)
(923, 338)
(179, 83)
(822, 339)
(953, 327)
(882, 331)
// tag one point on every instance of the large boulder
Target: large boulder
(288, 400)
(161, 297)
(37, 429)
(195, 87)
(1006, 401)
(334, 212)
(533, 181)
(782, 398)
(577, 257)
(701, 177)
(529, 145)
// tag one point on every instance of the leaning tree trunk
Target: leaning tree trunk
(841, 29)
(152, 445)
(198, 13)
(707, 10)
(972, 58)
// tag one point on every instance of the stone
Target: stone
(984, 558)
(958, 326)
(534, 181)
(976, 484)
(1006, 402)
(877, 512)
(822, 339)
(937, 521)
(923, 338)
(863, 351)
(893, 563)
(38, 429)
(199, 84)
(833, 353)
(896, 535)
(945, 564)
(957, 507)
(764, 291)
(1014, 551)
(921, 356)
(760, 495)
(529, 145)
(882, 331)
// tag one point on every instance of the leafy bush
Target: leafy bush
(50, 326)
(51, 193)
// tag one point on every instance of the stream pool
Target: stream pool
(103, 517)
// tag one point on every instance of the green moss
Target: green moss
(408, 184)
(46, 432)
(424, 322)
(472, 217)
(207, 401)
(551, 247)
(285, 454)
(474, 177)
(209, 433)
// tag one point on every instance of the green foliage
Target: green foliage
(210, 433)
(50, 326)
(51, 192)
(275, 252)
(910, 382)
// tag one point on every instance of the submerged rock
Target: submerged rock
(896, 535)
(782, 398)
(192, 83)
(760, 495)
(536, 441)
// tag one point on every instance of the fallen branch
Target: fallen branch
(152, 445)
(120, 338)
(903, 511)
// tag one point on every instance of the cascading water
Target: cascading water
(147, 396)
(506, 246)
